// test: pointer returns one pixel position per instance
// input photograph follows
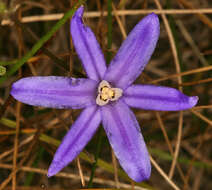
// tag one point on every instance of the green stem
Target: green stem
(5, 63)
(99, 145)
(41, 42)
(29, 177)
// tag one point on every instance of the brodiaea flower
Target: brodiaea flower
(106, 96)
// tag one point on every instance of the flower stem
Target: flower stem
(99, 145)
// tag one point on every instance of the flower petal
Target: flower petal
(134, 53)
(55, 92)
(150, 97)
(87, 47)
(76, 139)
(126, 140)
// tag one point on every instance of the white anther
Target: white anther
(106, 93)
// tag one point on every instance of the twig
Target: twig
(198, 179)
(115, 169)
(160, 121)
(72, 176)
(41, 42)
(176, 153)
(6, 153)
(92, 14)
(196, 82)
(29, 150)
(15, 154)
(191, 42)
(206, 20)
(80, 172)
(201, 117)
(123, 32)
(177, 65)
(157, 167)
(183, 74)
(202, 107)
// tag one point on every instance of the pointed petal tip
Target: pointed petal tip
(126, 140)
(153, 15)
(134, 53)
(79, 12)
(142, 175)
(193, 100)
(13, 90)
(87, 47)
(145, 173)
(153, 19)
(54, 168)
(49, 175)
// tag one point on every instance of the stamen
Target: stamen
(106, 93)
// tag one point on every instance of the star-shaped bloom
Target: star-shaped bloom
(106, 96)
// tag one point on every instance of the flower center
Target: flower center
(106, 93)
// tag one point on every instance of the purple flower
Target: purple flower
(106, 96)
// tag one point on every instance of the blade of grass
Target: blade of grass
(30, 176)
(108, 167)
(161, 154)
(8, 122)
(41, 42)
(5, 63)
(101, 163)
(166, 156)
(96, 157)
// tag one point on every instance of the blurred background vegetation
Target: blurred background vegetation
(35, 40)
